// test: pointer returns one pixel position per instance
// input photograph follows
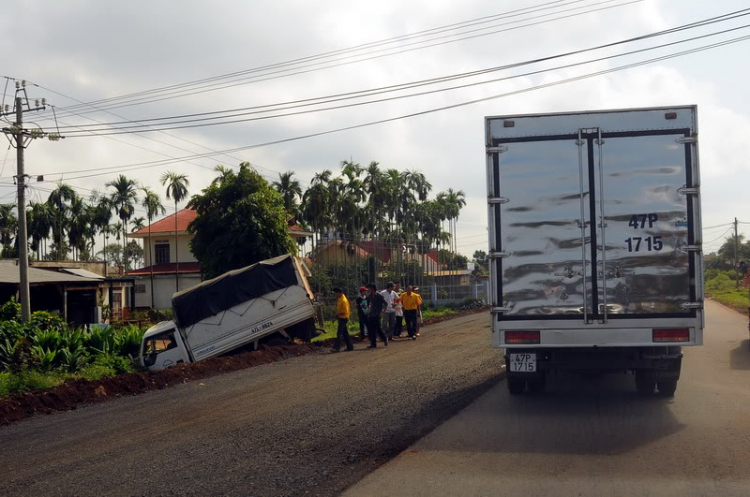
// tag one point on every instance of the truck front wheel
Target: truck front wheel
(667, 388)
(516, 387)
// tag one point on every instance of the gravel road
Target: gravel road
(307, 426)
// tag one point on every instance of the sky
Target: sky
(82, 51)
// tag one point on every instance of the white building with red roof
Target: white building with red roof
(168, 261)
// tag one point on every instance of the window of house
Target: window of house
(140, 288)
(161, 253)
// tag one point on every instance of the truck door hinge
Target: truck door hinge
(684, 190)
(498, 254)
(498, 200)
(692, 305)
(497, 150)
(690, 248)
(687, 139)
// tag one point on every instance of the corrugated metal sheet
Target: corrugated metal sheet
(10, 274)
(83, 273)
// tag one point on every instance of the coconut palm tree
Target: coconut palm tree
(177, 190)
(152, 204)
(124, 198)
(290, 190)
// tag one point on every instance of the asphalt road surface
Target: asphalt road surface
(307, 426)
(595, 436)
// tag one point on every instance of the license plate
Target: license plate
(523, 363)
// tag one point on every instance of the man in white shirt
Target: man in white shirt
(389, 318)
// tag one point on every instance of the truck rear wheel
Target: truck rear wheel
(516, 387)
(667, 388)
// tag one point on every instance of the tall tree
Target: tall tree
(41, 220)
(177, 190)
(60, 199)
(154, 207)
(124, 198)
(239, 222)
(290, 190)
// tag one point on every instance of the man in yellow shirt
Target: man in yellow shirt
(342, 316)
(412, 303)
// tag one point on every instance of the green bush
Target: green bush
(13, 383)
(116, 363)
(10, 311)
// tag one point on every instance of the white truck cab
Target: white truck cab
(163, 346)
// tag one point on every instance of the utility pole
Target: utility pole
(20, 137)
(23, 244)
(736, 256)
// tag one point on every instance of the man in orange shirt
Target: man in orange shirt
(412, 303)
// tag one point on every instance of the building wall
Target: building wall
(183, 246)
(164, 288)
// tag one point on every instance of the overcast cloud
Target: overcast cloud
(93, 49)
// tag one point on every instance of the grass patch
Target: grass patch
(30, 380)
(723, 289)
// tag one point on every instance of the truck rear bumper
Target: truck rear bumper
(658, 362)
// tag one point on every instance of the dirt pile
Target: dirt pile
(70, 394)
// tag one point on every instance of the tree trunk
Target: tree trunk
(176, 253)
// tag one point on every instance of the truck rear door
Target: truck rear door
(594, 217)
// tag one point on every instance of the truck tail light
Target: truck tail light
(671, 335)
(519, 337)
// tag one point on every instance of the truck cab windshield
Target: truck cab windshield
(156, 344)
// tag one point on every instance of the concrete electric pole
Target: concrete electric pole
(20, 138)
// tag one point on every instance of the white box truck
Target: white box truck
(595, 243)
(231, 311)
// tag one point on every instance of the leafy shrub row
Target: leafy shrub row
(46, 344)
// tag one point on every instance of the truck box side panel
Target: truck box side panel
(243, 323)
(595, 223)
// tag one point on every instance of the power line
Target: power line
(413, 84)
(325, 55)
(429, 111)
(130, 129)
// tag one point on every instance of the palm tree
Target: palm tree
(152, 204)
(78, 222)
(59, 200)
(8, 227)
(138, 224)
(101, 218)
(224, 173)
(124, 198)
(290, 190)
(41, 220)
(177, 190)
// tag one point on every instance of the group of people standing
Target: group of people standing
(381, 314)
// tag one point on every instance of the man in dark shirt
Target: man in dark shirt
(362, 312)
(375, 313)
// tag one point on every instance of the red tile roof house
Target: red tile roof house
(170, 266)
